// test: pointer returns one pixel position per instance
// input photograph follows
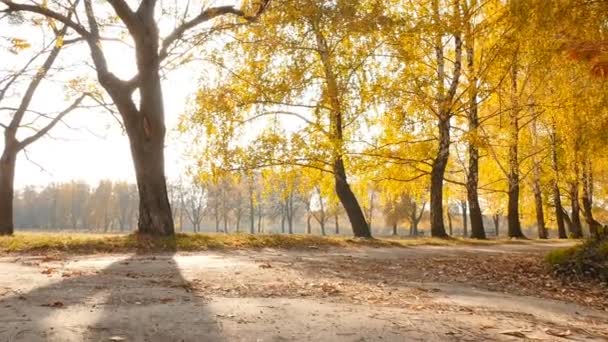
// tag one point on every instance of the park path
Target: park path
(353, 294)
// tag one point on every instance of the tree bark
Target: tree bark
(349, 201)
(557, 202)
(450, 222)
(308, 224)
(514, 224)
(337, 222)
(463, 205)
(567, 220)
(496, 219)
(437, 174)
(587, 199)
(343, 190)
(7, 192)
(576, 229)
(251, 214)
(477, 228)
(155, 216)
(540, 216)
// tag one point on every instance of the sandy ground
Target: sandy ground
(272, 295)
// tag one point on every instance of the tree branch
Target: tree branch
(15, 7)
(27, 141)
(204, 16)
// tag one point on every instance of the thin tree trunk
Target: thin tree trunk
(308, 224)
(463, 205)
(514, 224)
(496, 219)
(557, 202)
(337, 222)
(567, 220)
(536, 187)
(282, 220)
(395, 229)
(587, 199)
(477, 228)
(290, 214)
(540, 216)
(450, 222)
(251, 214)
(576, 228)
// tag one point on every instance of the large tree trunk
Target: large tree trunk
(557, 202)
(349, 201)
(155, 216)
(438, 171)
(7, 179)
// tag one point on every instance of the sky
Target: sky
(91, 145)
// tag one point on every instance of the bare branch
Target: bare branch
(27, 141)
(204, 16)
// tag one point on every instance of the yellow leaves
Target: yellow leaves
(18, 45)
(59, 42)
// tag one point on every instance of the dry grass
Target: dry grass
(42, 243)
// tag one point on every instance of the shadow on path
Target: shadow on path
(140, 298)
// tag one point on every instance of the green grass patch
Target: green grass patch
(587, 260)
(42, 243)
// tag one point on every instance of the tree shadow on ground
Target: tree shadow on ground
(139, 298)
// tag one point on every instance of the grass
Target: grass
(587, 260)
(42, 243)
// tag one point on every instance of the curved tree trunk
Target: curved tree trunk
(343, 190)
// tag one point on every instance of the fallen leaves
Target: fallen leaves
(558, 333)
(55, 305)
(49, 271)
(515, 333)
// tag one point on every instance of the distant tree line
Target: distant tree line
(278, 201)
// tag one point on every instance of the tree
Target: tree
(12, 145)
(143, 116)
(194, 203)
(322, 83)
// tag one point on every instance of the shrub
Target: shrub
(589, 260)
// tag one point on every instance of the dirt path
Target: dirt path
(359, 294)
